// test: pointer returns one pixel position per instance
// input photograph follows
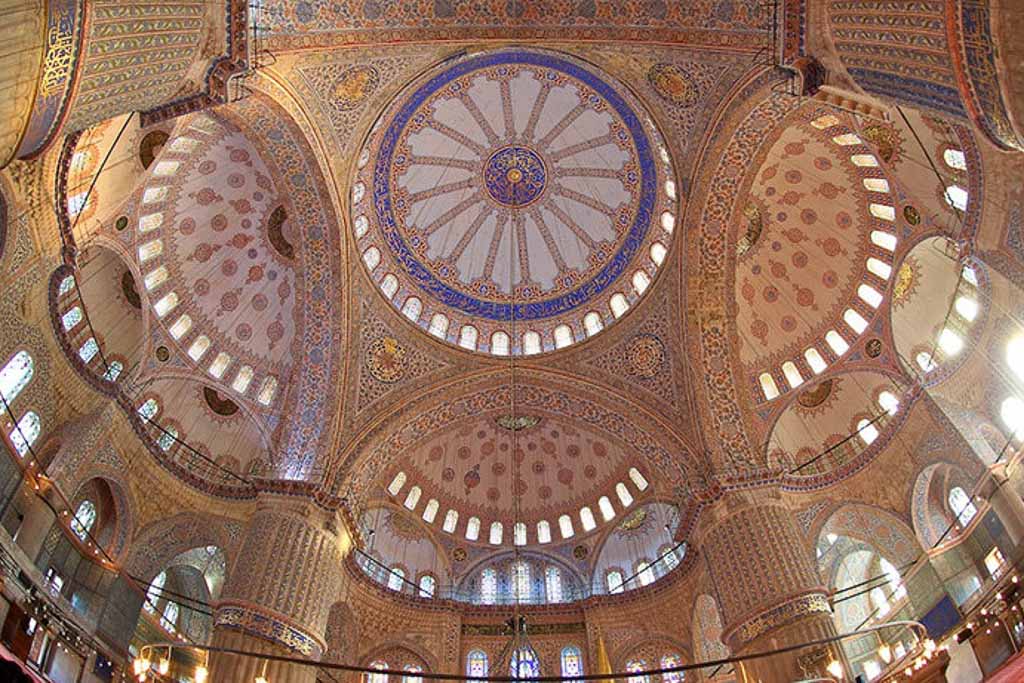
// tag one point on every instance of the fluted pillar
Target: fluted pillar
(67, 65)
(768, 585)
(1005, 501)
(278, 594)
(21, 34)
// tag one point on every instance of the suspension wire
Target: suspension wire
(919, 628)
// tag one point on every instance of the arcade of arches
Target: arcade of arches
(345, 330)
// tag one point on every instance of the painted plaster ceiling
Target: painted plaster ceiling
(514, 201)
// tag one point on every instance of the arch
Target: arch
(341, 633)
(930, 508)
(707, 630)
(155, 545)
(890, 535)
(649, 648)
(400, 653)
(114, 519)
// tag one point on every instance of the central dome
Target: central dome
(503, 197)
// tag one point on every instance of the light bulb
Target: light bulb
(885, 652)
(261, 679)
(165, 666)
(137, 666)
(201, 674)
(929, 645)
(835, 668)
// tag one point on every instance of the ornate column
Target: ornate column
(956, 58)
(768, 585)
(70, 64)
(280, 590)
(1008, 506)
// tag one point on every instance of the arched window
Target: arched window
(607, 511)
(430, 510)
(572, 662)
(396, 578)
(638, 479)
(412, 670)
(868, 432)
(396, 484)
(489, 586)
(413, 498)
(499, 343)
(84, 519)
(377, 677)
(1012, 413)
(169, 620)
(497, 531)
(543, 531)
(644, 572)
(153, 593)
(563, 336)
(636, 666)
(531, 343)
(113, 371)
(592, 323)
(451, 520)
(66, 285)
(956, 197)
(439, 325)
(954, 158)
(16, 375)
(625, 497)
(476, 664)
(26, 432)
(888, 401)
(587, 519)
(521, 581)
(473, 529)
(961, 505)
(553, 583)
(412, 308)
(669, 662)
(427, 585)
(167, 438)
(519, 533)
(149, 409)
(669, 557)
(467, 337)
(71, 318)
(896, 586)
(524, 664)
(565, 526)
(614, 581)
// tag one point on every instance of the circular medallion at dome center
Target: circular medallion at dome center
(515, 176)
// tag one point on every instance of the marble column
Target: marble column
(1007, 504)
(278, 594)
(768, 586)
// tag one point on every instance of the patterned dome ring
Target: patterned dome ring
(515, 184)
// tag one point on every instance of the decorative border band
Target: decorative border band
(805, 605)
(267, 627)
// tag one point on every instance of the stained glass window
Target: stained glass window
(26, 432)
(72, 317)
(149, 409)
(396, 579)
(412, 669)
(378, 677)
(476, 664)
(169, 620)
(156, 586)
(167, 438)
(89, 350)
(16, 375)
(634, 666)
(524, 664)
(614, 579)
(427, 585)
(572, 662)
(645, 573)
(488, 586)
(84, 519)
(521, 581)
(66, 285)
(668, 662)
(553, 584)
(961, 505)
(113, 371)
